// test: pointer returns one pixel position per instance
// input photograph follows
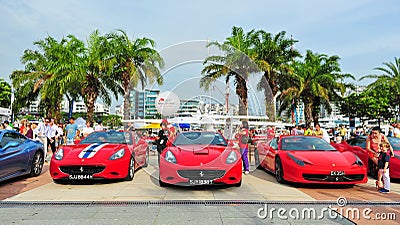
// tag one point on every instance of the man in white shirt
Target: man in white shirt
(98, 127)
(88, 129)
(44, 133)
(51, 134)
(396, 130)
(7, 125)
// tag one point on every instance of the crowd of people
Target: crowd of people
(50, 133)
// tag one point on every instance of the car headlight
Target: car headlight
(119, 154)
(59, 154)
(358, 162)
(298, 161)
(169, 156)
(232, 157)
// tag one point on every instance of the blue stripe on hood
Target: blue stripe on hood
(90, 150)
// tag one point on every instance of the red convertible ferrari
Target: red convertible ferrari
(200, 158)
(358, 144)
(310, 159)
(101, 155)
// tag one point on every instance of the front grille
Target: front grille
(328, 178)
(85, 170)
(201, 174)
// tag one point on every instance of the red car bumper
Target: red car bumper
(210, 174)
(394, 167)
(325, 175)
(78, 170)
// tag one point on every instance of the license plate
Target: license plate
(80, 177)
(337, 173)
(201, 182)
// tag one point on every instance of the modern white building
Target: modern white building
(5, 114)
(80, 107)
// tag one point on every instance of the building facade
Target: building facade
(143, 104)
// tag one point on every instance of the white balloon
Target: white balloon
(167, 103)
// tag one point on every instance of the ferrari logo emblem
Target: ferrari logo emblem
(333, 164)
(201, 174)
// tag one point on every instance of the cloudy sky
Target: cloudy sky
(364, 33)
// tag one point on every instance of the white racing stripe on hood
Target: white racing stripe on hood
(90, 150)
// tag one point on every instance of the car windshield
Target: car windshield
(200, 138)
(395, 143)
(304, 143)
(108, 137)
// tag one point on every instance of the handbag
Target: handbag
(245, 139)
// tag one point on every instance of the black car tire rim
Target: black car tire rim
(278, 170)
(131, 168)
(37, 164)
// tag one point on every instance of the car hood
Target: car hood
(325, 158)
(97, 151)
(192, 155)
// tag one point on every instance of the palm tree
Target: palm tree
(136, 62)
(237, 63)
(36, 80)
(94, 72)
(5, 93)
(278, 51)
(388, 75)
(315, 82)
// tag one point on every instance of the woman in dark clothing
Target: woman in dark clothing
(29, 131)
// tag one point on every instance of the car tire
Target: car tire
(131, 169)
(256, 158)
(146, 163)
(238, 184)
(279, 171)
(161, 183)
(37, 164)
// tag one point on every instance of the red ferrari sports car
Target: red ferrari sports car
(309, 159)
(358, 144)
(101, 155)
(200, 158)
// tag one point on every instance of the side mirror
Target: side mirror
(77, 141)
(11, 144)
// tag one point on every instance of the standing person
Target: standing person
(60, 134)
(309, 131)
(88, 129)
(270, 132)
(41, 134)
(7, 125)
(99, 126)
(70, 130)
(29, 131)
(383, 166)
(343, 132)
(22, 128)
(162, 137)
(372, 144)
(51, 134)
(318, 131)
(396, 130)
(243, 137)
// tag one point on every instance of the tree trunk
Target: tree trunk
(308, 113)
(127, 86)
(270, 92)
(90, 101)
(270, 109)
(241, 91)
(127, 103)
